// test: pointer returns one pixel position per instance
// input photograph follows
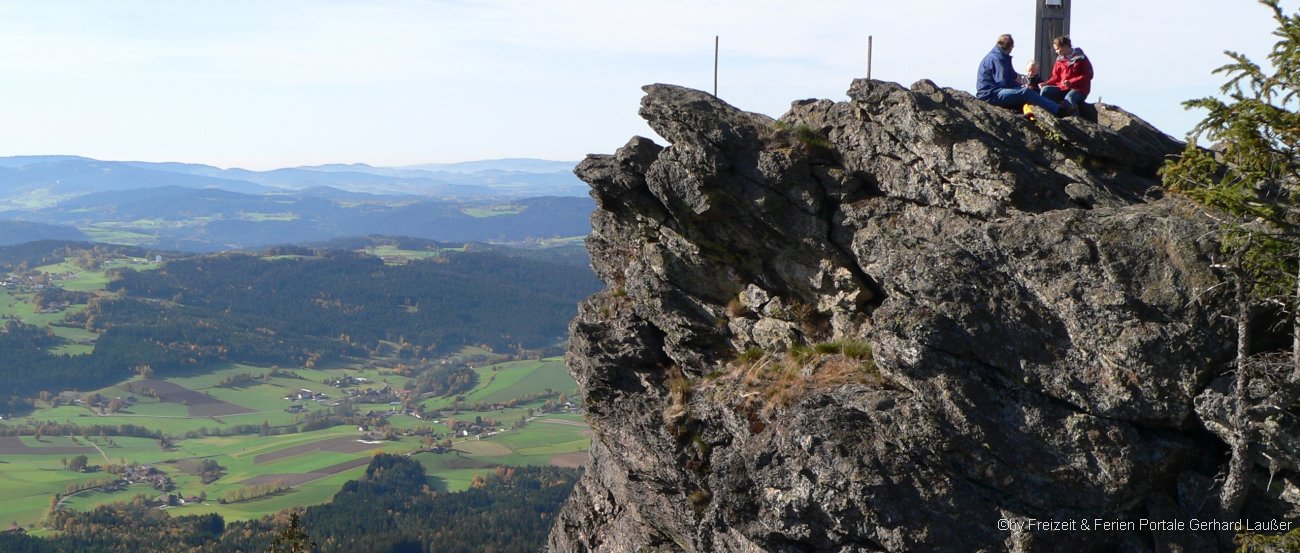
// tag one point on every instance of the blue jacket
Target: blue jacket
(995, 72)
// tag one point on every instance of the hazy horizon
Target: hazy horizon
(450, 166)
(408, 82)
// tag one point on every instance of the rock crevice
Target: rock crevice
(1039, 330)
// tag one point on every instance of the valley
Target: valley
(313, 464)
(219, 430)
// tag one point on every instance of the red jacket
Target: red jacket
(1072, 73)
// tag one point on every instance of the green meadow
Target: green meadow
(502, 382)
(99, 232)
(11, 305)
(394, 255)
(494, 210)
(261, 217)
(17, 302)
(71, 277)
(315, 464)
(566, 241)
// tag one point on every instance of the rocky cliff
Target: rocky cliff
(911, 321)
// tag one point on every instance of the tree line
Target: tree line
(299, 312)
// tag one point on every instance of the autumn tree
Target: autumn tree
(293, 539)
(78, 463)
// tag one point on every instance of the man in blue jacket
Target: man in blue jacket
(1000, 85)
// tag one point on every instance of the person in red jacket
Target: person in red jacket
(1071, 79)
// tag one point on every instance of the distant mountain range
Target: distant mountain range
(519, 165)
(203, 208)
(29, 180)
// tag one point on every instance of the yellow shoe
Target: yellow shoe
(1029, 112)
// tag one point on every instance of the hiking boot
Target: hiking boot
(1066, 109)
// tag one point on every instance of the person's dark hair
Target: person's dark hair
(1062, 41)
(1005, 42)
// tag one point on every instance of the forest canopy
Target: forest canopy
(300, 311)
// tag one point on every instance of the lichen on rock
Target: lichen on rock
(1040, 327)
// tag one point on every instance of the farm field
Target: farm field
(238, 416)
(499, 383)
(494, 210)
(12, 306)
(313, 464)
(392, 254)
(16, 301)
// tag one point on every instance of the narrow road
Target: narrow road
(101, 452)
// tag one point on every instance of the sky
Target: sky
(263, 84)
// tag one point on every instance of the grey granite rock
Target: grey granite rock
(1040, 331)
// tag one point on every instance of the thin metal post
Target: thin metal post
(868, 57)
(715, 66)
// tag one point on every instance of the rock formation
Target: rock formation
(911, 321)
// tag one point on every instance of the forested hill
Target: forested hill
(18, 232)
(205, 209)
(44, 252)
(298, 310)
(452, 300)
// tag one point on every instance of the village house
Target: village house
(147, 474)
(56, 307)
(306, 395)
(381, 395)
(466, 428)
(344, 381)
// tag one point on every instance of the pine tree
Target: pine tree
(293, 539)
(1251, 183)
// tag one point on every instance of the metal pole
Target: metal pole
(868, 57)
(715, 66)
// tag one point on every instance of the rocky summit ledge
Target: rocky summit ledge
(911, 321)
